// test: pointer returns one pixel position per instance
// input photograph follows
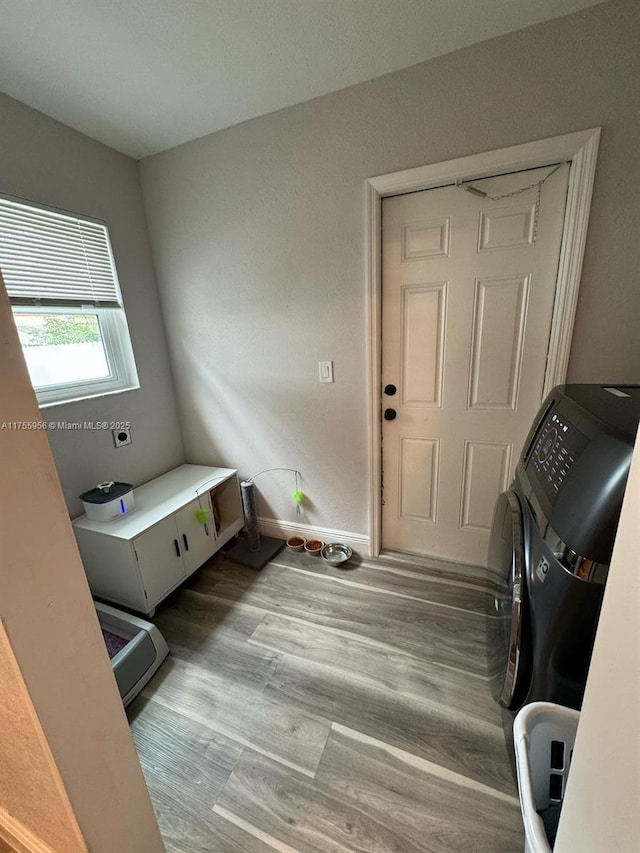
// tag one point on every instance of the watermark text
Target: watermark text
(17, 426)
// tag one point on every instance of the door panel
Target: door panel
(423, 315)
(499, 315)
(486, 473)
(196, 539)
(468, 287)
(425, 240)
(419, 494)
(506, 227)
(159, 558)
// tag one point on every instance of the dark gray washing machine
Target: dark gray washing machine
(551, 543)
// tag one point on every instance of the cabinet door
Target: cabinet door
(197, 540)
(159, 554)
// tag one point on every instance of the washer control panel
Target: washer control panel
(557, 447)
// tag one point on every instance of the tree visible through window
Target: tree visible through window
(56, 330)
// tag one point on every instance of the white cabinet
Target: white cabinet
(178, 522)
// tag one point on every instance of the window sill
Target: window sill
(49, 404)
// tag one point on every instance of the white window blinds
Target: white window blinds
(50, 258)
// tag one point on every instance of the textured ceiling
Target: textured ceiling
(146, 75)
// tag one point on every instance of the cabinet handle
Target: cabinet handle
(175, 542)
(186, 542)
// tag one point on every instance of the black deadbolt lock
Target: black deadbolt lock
(390, 390)
(390, 414)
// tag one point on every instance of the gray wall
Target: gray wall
(258, 239)
(44, 161)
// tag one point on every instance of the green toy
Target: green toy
(297, 497)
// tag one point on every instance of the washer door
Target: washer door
(504, 624)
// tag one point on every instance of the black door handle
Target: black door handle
(390, 390)
(390, 414)
(175, 542)
(186, 541)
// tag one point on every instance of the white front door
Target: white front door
(468, 288)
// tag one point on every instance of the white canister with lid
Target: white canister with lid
(108, 500)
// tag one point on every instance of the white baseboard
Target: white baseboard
(359, 542)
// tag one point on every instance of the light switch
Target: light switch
(325, 369)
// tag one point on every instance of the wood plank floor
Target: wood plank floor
(305, 708)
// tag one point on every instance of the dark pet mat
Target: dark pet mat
(241, 553)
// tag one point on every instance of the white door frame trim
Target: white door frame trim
(581, 149)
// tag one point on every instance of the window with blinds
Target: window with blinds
(61, 279)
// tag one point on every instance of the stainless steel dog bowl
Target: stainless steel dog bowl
(336, 554)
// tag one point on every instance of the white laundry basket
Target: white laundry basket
(544, 735)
